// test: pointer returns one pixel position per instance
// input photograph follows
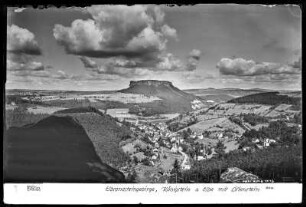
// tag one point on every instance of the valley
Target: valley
(153, 132)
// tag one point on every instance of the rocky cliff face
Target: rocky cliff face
(155, 83)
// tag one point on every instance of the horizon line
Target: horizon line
(115, 90)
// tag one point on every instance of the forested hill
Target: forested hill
(55, 149)
(268, 98)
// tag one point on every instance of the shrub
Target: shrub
(254, 119)
(146, 161)
(135, 159)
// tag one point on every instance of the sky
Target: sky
(104, 47)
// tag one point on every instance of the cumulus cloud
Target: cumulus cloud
(136, 32)
(29, 73)
(119, 67)
(114, 62)
(193, 77)
(170, 63)
(168, 31)
(20, 40)
(193, 60)
(23, 63)
(82, 36)
(147, 41)
(88, 63)
(131, 40)
(129, 67)
(22, 48)
(93, 77)
(195, 54)
(297, 63)
(61, 75)
(121, 23)
(242, 67)
(119, 62)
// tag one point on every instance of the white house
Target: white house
(186, 167)
(201, 136)
(256, 141)
(200, 158)
(267, 142)
(193, 136)
(174, 148)
(173, 139)
(246, 148)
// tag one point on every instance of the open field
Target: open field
(167, 162)
(129, 148)
(44, 110)
(116, 96)
(10, 107)
(236, 109)
(230, 146)
(146, 174)
(216, 125)
(208, 142)
(123, 113)
(120, 113)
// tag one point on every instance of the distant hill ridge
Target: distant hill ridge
(268, 98)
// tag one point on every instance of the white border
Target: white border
(97, 193)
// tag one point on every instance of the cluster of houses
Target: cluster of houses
(263, 143)
(196, 104)
(159, 135)
(260, 144)
(214, 135)
(156, 133)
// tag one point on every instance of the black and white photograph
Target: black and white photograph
(153, 94)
